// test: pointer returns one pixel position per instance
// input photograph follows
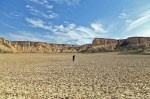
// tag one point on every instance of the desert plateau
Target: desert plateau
(92, 76)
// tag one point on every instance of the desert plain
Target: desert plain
(91, 76)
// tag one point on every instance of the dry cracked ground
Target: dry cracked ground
(91, 76)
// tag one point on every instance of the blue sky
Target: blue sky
(73, 21)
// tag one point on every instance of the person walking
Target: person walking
(73, 58)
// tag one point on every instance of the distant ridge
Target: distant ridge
(97, 45)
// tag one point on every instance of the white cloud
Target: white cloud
(70, 32)
(23, 36)
(11, 14)
(38, 23)
(68, 2)
(28, 36)
(40, 13)
(72, 2)
(78, 34)
(128, 21)
(35, 22)
(122, 16)
(10, 26)
(53, 15)
(138, 22)
(139, 32)
(28, 6)
(32, 9)
(15, 14)
(97, 27)
(44, 3)
(36, 1)
(49, 6)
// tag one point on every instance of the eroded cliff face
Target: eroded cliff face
(139, 41)
(101, 43)
(5, 46)
(33, 47)
(43, 47)
(112, 44)
(97, 44)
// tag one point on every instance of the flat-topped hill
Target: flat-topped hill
(97, 44)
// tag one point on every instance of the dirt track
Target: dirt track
(91, 76)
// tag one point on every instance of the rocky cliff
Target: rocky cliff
(98, 44)
(43, 47)
(32, 47)
(102, 43)
(137, 41)
(113, 44)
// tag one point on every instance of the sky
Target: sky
(73, 21)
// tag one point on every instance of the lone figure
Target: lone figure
(73, 58)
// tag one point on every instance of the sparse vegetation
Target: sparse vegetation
(99, 50)
(91, 76)
(137, 50)
(130, 47)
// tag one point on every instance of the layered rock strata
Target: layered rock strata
(98, 43)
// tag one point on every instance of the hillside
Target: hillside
(98, 45)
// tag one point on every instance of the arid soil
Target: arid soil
(91, 76)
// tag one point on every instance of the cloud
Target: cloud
(138, 22)
(37, 23)
(53, 15)
(15, 14)
(97, 27)
(11, 14)
(33, 10)
(22, 36)
(49, 6)
(44, 3)
(70, 32)
(10, 26)
(30, 7)
(139, 32)
(76, 35)
(122, 16)
(28, 36)
(128, 21)
(40, 13)
(68, 2)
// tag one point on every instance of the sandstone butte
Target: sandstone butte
(98, 43)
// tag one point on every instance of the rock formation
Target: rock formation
(32, 47)
(102, 43)
(138, 41)
(98, 44)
